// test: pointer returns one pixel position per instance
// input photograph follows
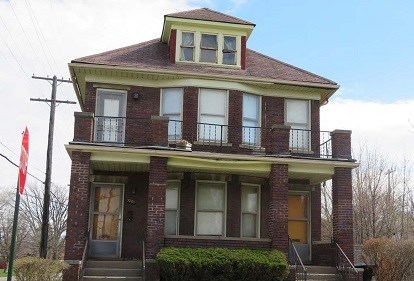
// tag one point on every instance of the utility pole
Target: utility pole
(46, 199)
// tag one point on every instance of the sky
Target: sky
(366, 46)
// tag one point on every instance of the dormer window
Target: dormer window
(208, 48)
(187, 46)
(229, 50)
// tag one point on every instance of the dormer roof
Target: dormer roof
(204, 17)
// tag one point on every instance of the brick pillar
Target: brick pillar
(190, 114)
(233, 207)
(341, 144)
(156, 206)
(316, 213)
(243, 52)
(159, 130)
(78, 213)
(277, 140)
(172, 44)
(278, 207)
(83, 127)
(187, 205)
(342, 210)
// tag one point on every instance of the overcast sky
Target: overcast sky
(365, 46)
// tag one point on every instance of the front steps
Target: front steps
(113, 271)
(325, 273)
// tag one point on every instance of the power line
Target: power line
(5, 157)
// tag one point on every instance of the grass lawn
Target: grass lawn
(2, 273)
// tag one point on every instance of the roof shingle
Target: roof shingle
(153, 55)
(208, 15)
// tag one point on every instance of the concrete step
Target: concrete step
(111, 278)
(321, 269)
(113, 264)
(126, 272)
(324, 277)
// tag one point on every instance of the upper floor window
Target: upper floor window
(229, 50)
(212, 115)
(172, 199)
(110, 116)
(208, 48)
(187, 46)
(297, 115)
(172, 106)
(251, 119)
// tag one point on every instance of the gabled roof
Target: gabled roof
(154, 55)
(208, 15)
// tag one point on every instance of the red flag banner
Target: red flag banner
(24, 158)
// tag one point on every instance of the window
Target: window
(171, 106)
(110, 116)
(213, 115)
(229, 50)
(250, 203)
(210, 208)
(172, 198)
(297, 116)
(251, 119)
(187, 46)
(208, 47)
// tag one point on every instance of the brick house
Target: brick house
(192, 139)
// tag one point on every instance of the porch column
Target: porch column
(156, 206)
(342, 210)
(278, 207)
(78, 213)
(316, 212)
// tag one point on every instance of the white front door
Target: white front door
(106, 220)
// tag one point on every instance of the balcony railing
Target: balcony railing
(134, 131)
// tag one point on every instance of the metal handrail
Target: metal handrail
(143, 260)
(344, 266)
(84, 257)
(300, 269)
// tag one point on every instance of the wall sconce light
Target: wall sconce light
(135, 96)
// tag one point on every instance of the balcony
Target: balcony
(277, 140)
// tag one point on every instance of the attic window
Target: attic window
(187, 46)
(229, 50)
(208, 48)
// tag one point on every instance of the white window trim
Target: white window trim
(259, 117)
(177, 230)
(226, 119)
(181, 109)
(197, 50)
(217, 49)
(224, 183)
(258, 214)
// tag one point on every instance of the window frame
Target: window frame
(259, 120)
(223, 50)
(209, 48)
(226, 117)
(296, 126)
(224, 211)
(162, 113)
(188, 46)
(177, 222)
(257, 214)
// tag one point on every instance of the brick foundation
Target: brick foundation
(199, 241)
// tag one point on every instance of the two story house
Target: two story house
(194, 140)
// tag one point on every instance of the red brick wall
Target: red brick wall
(156, 205)
(235, 118)
(342, 210)
(90, 98)
(316, 213)
(264, 211)
(278, 207)
(243, 52)
(190, 113)
(172, 44)
(84, 126)
(187, 205)
(78, 211)
(341, 144)
(315, 126)
(233, 207)
(209, 242)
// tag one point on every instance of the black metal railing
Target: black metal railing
(84, 257)
(346, 269)
(313, 143)
(143, 260)
(296, 261)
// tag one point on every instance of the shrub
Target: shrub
(38, 269)
(221, 264)
(392, 259)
